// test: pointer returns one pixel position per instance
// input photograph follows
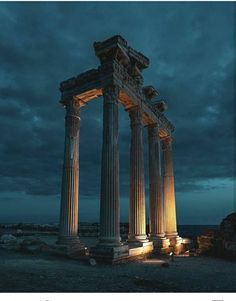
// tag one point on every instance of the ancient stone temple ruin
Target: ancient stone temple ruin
(119, 80)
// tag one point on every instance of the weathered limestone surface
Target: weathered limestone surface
(228, 234)
(123, 66)
(156, 216)
(68, 233)
(137, 219)
(220, 242)
(110, 206)
(119, 79)
(228, 227)
(169, 193)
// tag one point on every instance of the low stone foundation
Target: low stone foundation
(140, 248)
(75, 251)
(109, 254)
(124, 253)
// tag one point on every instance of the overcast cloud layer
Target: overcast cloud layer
(191, 50)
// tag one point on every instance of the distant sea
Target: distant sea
(194, 230)
(188, 231)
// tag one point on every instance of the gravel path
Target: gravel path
(45, 273)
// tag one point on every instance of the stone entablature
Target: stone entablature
(117, 48)
(88, 85)
(119, 80)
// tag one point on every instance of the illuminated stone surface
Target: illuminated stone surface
(156, 215)
(68, 232)
(137, 219)
(119, 80)
(110, 204)
(169, 193)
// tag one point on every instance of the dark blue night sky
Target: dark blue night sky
(191, 50)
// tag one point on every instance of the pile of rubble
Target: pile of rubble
(8, 241)
(31, 245)
(228, 230)
(220, 242)
(210, 243)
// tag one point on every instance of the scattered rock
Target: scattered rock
(8, 239)
(193, 252)
(19, 232)
(210, 243)
(33, 245)
(92, 262)
(220, 242)
(32, 241)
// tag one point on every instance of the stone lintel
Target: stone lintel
(110, 43)
(79, 80)
(88, 86)
(116, 47)
(113, 48)
(138, 58)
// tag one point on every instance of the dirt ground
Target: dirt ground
(47, 273)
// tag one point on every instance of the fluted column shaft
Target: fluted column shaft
(169, 189)
(156, 222)
(68, 232)
(110, 206)
(137, 219)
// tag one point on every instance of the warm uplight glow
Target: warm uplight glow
(154, 261)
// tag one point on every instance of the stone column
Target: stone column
(68, 233)
(169, 193)
(156, 222)
(110, 206)
(137, 219)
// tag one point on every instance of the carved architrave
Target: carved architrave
(114, 71)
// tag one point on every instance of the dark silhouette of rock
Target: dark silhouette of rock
(228, 232)
(33, 245)
(228, 227)
(220, 242)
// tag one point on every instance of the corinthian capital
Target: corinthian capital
(72, 119)
(110, 93)
(166, 142)
(153, 130)
(135, 114)
(72, 107)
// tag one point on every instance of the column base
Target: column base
(174, 238)
(109, 254)
(137, 239)
(70, 246)
(140, 249)
(160, 241)
(109, 241)
(124, 253)
(68, 240)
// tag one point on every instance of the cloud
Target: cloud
(191, 49)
